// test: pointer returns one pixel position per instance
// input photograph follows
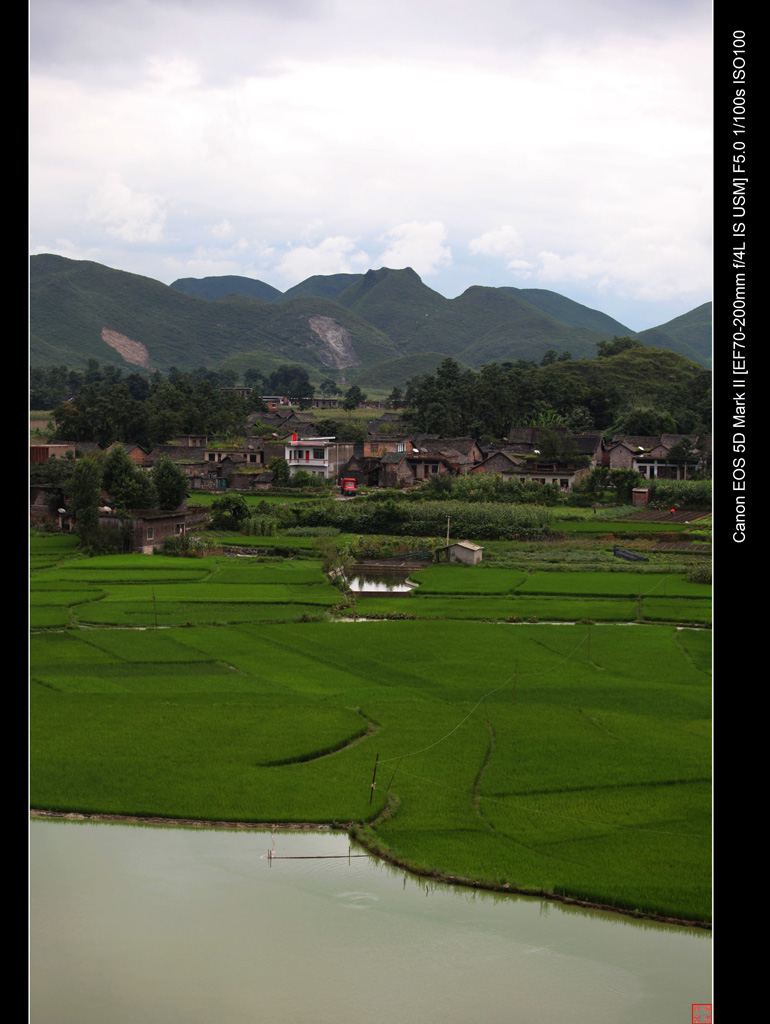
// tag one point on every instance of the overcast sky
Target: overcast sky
(561, 145)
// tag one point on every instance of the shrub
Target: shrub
(229, 512)
(694, 494)
(187, 546)
(700, 574)
(311, 531)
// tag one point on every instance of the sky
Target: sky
(560, 145)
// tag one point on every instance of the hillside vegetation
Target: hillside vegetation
(80, 310)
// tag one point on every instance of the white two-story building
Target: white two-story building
(324, 456)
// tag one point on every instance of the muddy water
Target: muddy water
(156, 925)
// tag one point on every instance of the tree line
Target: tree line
(644, 393)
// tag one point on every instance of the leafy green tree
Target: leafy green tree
(604, 349)
(301, 478)
(580, 419)
(254, 402)
(644, 422)
(342, 429)
(85, 495)
(229, 512)
(252, 378)
(596, 481)
(304, 393)
(170, 483)
(623, 482)
(354, 397)
(128, 486)
(279, 467)
(685, 453)
(287, 379)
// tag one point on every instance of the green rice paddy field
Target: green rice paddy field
(568, 758)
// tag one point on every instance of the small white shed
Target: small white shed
(465, 551)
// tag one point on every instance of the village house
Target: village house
(649, 456)
(137, 454)
(323, 456)
(365, 470)
(274, 402)
(506, 465)
(191, 440)
(407, 468)
(59, 450)
(148, 528)
(376, 447)
(462, 452)
(240, 390)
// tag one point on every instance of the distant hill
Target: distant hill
(328, 286)
(385, 322)
(213, 288)
(323, 286)
(82, 310)
(570, 312)
(398, 303)
(480, 326)
(689, 334)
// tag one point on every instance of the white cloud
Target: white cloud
(130, 216)
(505, 242)
(173, 72)
(223, 229)
(418, 246)
(331, 256)
(538, 142)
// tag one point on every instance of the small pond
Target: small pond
(132, 923)
(381, 585)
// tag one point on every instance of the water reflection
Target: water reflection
(138, 923)
(382, 585)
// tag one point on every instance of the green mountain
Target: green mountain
(81, 310)
(689, 334)
(495, 325)
(383, 322)
(328, 286)
(570, 312)
(398, 303)
(213, 288)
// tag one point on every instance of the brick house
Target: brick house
(502, 464)
(407, 468)
(649, 456)
(149, 528)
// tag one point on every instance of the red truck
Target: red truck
(348, 486)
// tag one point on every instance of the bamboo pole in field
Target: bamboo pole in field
(394, 772)
(154, 608)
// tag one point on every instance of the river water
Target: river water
(162, 925)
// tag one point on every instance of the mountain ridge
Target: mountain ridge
(328, 323)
